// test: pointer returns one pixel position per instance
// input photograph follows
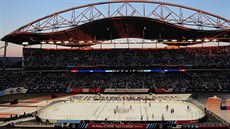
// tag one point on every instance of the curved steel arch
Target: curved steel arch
(166, 12)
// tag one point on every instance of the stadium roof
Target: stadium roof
(93, 23)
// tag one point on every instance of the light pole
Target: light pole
(110, 35)
(24, 45)
(143, 34)
(4, 59)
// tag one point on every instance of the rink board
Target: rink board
(121, 111)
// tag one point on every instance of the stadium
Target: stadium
(119, 64)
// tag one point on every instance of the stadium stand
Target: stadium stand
(215, 57)
(179, 67)
(1, 64)
(57, 80)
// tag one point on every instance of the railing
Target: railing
(196, 103)
(202, 107)
(205, 125)
(21, 123)
(16, 121)
(52, 103)
(218, 118)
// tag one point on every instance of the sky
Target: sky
(16, 13)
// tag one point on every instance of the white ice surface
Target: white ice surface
(96, 110)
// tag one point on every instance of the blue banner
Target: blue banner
(2, 92)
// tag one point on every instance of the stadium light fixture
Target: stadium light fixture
(66, 42)
(58, 42)
(206, 40)
(198, 40)
(51, 42)
(190, 40)
(90, 41)
(214, 40)
(81, 41)
(155, 41)
(25, 43)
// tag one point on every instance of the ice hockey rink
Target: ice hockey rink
(152, 110)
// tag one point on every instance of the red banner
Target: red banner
(159, 90)
(186, 121)
(74, 90)
(124, 90)
(163, 90)
(94, 90)
(85, 90)
(102, 125)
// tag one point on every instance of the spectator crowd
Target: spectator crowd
(178, 80)
(62, 59)
(55, 60)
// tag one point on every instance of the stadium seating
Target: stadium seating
(128, 58)
(44, 59)
(177, 81)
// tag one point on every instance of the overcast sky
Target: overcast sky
(16, 13)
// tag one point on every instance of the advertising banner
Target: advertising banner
(2, 92)
(159, 90)
(48, 90)
(16, 90)
(94, 90)
(103, 125)
(84, 90)
(186, 121)
(122, 90)
(169, 90)
(72, 90)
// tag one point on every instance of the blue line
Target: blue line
(102, 110)
(140, 109)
